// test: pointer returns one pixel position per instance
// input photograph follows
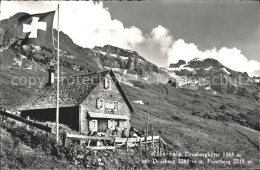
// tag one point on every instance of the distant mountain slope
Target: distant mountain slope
(202, 68)
(211, 74)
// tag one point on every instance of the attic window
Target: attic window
(107, 84)
(100, 104)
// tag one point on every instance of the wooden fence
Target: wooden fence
(118, 141)
(85, 138)
(28, 122)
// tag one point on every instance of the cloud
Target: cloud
(229, 57)
(155, 45)
(161, 36)
(90, 24)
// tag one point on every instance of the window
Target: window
(123, 124)
(116, 105)
(107, 84)
(112, 124)
(100, 104)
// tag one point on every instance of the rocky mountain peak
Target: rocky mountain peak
(118, 51)
(204, 63)
(180, 62)
(119, 58)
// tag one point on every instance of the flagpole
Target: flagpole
(58, 79)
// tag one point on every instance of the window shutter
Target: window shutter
(110, 124)
(109, 84)
(98, 104)
(105, 84)
(115, 103)
(118, 106)
(102, 103)
(91, 125)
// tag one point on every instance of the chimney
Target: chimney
(51, 75)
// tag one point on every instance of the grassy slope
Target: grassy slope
(15, 154)
(12, 95)
(172, 114)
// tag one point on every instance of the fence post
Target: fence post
(166, 150)
(65, 139)
(140, 143)
(159, 144)
(89, 140)
(33, 122)
(152, 143)
(146, 144)
(127, 144)
(2, 119)
(27, 126)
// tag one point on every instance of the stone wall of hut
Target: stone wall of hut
(109, 95)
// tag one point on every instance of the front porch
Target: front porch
(101, 124)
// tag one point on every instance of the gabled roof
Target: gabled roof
(121, 91)
(73, 91)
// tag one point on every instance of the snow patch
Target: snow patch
(113, 55)
(124, 58)
(198, 59)
(146, 78)
(117, 69)
(23, 56)
(180, 68)
(207, 88)
(107, 67)
(215, 92)
(257, 80)
(140, 60)
(104, 53)
(208, 68)
(129, 51)
(139, 102)
(29, 68)
(224, 69)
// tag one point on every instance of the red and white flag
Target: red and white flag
(36, 29)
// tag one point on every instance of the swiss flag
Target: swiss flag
(36, 29)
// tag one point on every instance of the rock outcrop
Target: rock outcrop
(116, 57)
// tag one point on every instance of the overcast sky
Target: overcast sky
(163, 32)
